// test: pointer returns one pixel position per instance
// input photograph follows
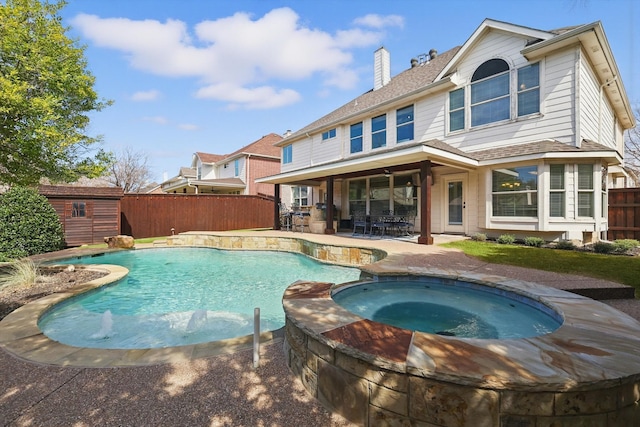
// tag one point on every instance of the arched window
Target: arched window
(490, 95)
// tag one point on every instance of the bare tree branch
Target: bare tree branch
(130, 171)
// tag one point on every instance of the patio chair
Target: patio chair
(360, 220)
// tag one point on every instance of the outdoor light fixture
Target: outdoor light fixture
(387, 173)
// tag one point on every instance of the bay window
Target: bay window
(515, 191)
(585, 190)
(556, 191)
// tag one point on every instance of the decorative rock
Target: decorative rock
(120, 241)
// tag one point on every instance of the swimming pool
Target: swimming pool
(180, 296)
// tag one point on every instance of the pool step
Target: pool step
(160, 242)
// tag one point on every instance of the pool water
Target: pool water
(181, 296)
(450, 308)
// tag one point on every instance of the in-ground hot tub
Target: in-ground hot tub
(586, 371)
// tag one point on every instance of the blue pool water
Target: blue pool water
(180, 296)
(450, 308)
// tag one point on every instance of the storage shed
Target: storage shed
(87, 214)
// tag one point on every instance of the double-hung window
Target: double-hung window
(585, 190)
(515, 191)
(331, 133)
(456, 110)
(287, 154)
(404, 124)
(379, 131)
(529, 90)
(300, 196)
(490, 96)
(356, 138)
(236, 167)
(556, 191)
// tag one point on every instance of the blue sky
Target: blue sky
(214, 76)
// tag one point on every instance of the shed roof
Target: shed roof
(73, 192)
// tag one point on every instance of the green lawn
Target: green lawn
(617, 268)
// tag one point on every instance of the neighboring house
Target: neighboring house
(87, 214)
(234, 173)
(518, 131)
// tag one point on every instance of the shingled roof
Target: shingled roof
(537, 147)
(71, 192)
(400, 85)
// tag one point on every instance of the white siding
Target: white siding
(589, 102)
(556, 118)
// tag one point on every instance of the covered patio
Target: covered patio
(418, 160)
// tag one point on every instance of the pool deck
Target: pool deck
(215, 383)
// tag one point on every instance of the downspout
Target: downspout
(192, 186)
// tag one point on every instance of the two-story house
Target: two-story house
(234, 173)
(517, 131)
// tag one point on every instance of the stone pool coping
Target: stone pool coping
(588, 370)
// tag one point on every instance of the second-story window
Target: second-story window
(379, 131)
(529, 90)
(287, 154)
(236, 167)
(490, 101)
(456, 110)
(404, 123)
(356, 138)
(331, 133)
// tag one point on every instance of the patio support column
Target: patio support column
(329, 207)
(276, 207)
(426, 179)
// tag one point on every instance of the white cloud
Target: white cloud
(188, 126)
(243, 61)
(148, 95)
(380, 21)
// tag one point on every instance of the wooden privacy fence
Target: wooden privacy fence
(624, 213)
(155, 215)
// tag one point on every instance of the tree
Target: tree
(632, 147)
(29, 225)
(129, 171)
(46, 93)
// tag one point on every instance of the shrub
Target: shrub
(565, 245)
(603, 247)
(479, 237)
(28, 224)
(533, 241)
(624, 245)
(506, 239)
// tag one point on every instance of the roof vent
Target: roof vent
(414, 62)
(433, 53)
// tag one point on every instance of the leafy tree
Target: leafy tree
(129, 170)
(46, 93)
(632, 148)
(29, 225)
